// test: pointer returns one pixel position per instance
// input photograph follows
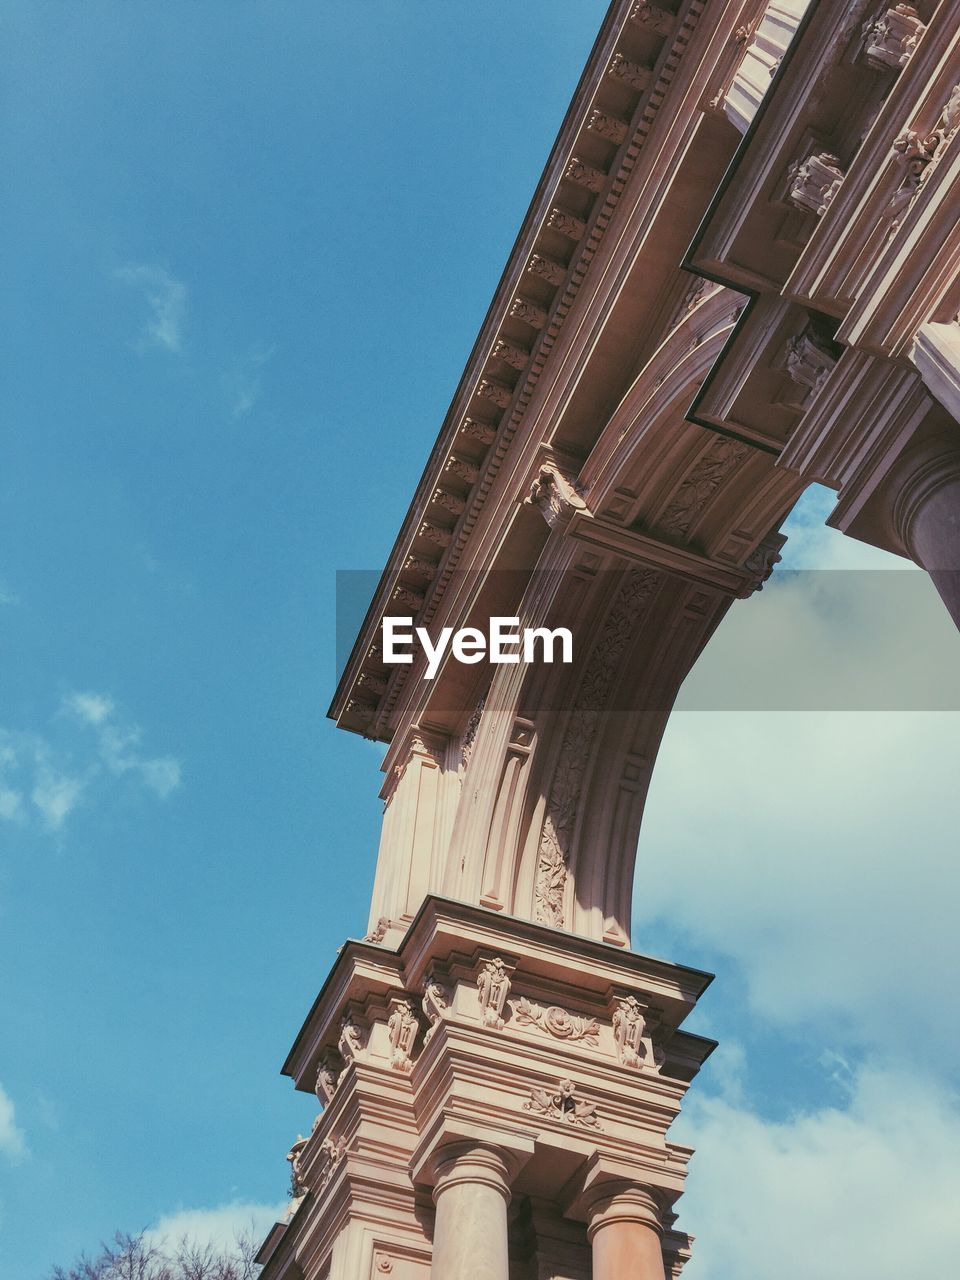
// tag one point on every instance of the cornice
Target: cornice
(616, 102)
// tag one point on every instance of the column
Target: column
(472, 1194)
(624, 1230)
(926, 513)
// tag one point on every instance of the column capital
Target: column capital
(915, 480)
(458, 1150)
(619, 1202)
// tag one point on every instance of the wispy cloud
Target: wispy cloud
(243, 385)
(45, 776)
(119, 743)
(13, 1143)
(166, 299)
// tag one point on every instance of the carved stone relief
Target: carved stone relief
(328, 1077)
(493, 984)
(890, 37)
(435, 1006)
(812, 183)
(402, 1027)
(564, 1105)
(634, 1045)
(556, 1022)
(350, 1043)
(807, 359)
(554, 495)
(567, 783)
(709, 473)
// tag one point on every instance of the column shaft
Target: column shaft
(470, 1234)
(625, 1234)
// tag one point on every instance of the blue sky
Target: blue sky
(247, 247)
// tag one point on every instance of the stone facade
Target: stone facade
(676, 350)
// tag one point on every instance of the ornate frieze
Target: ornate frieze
(554, 495)
(407, 598)
(402, 1028)
(528, 312)
(585, 175)
(566, 223)
(709, 473)
(511, 354)
(435, 1006)
(473, 429)
(556, 1022)
(566, 785)
(890, 37)
(650, 17)
(436, 534)
(564, 1105)
(497, 392)
(451, 502)
(547, 268)
(812, 183)
(493, 986)
(608, 126)
(462, 469)
(631, 73)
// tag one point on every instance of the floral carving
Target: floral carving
(510, 353)
(475, 430)
(528, 312)
(568, 778)
(556, 1022)
(586, 175)
(652, 18)
(631, 73)
(808, 359)
(607, 126)
(493, 984)
(566, 223)
(498, 392)
(723, 457)
(547, 268)
(451, 502)
(564, 1105)
(328, 1077)
(917, 153)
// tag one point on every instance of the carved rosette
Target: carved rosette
(556, 838)
(564, 1105)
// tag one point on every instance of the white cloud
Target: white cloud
(119, 743)
(12, 1141)
(55, 793)
(166, 298)
(92, 707)
(870, 1190)
(243, 385)
(811, 544)
(220, 1227)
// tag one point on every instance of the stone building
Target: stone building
(740, 274)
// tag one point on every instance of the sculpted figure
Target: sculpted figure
(297, 1187)
(403, 1027)
(494, 987)
(350, 1045)
(634, 1045)
(328, 1077)
(434, 1005)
